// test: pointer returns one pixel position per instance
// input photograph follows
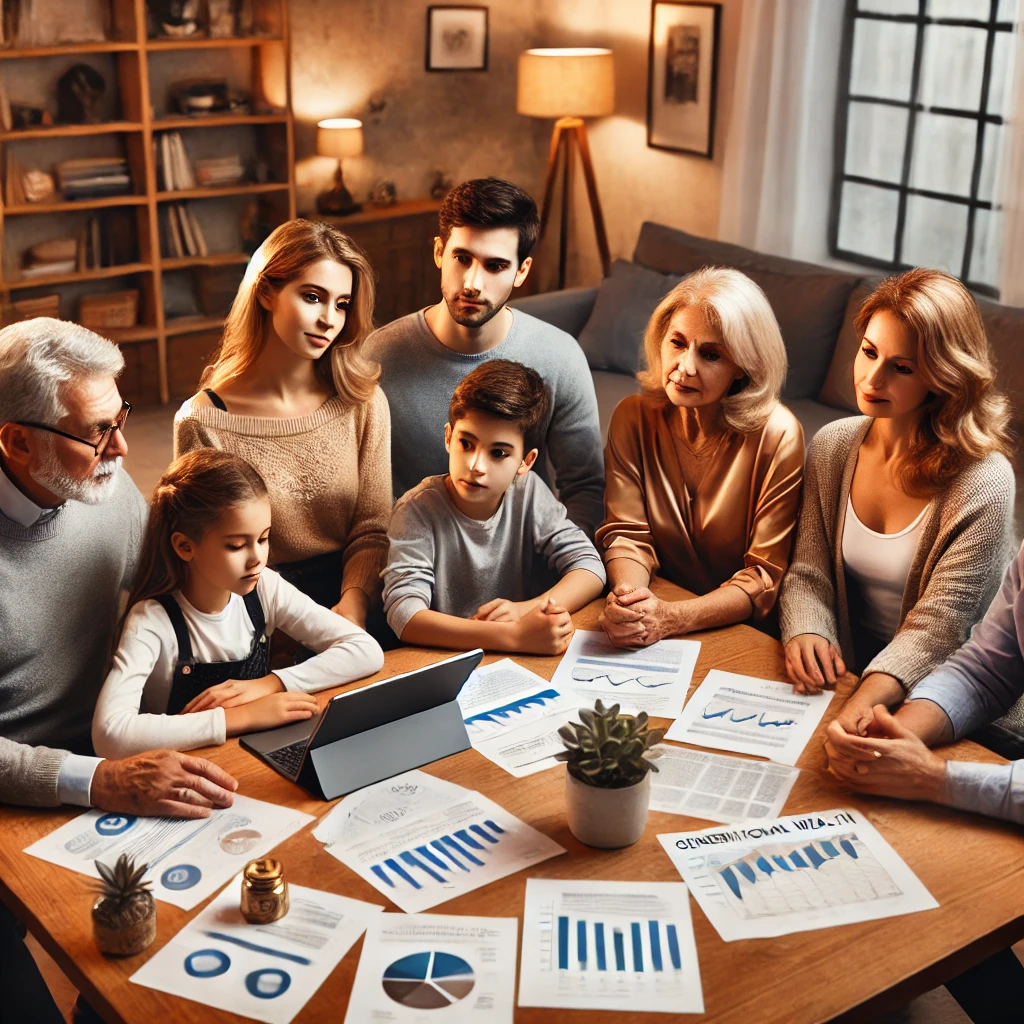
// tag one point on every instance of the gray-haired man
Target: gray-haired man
(71, 523)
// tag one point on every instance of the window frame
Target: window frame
(914, 107)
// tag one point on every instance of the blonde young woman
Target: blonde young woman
(703, 468)
(289, 391)
(906, 522)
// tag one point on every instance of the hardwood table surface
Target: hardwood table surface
(974, 867)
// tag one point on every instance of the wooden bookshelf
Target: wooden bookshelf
(134, 128)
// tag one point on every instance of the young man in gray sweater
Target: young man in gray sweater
(71, 523)
(487, 230)
(485, 556)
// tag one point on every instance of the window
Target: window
(923, 91)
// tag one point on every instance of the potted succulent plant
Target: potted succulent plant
(607, 781)
(124, 914)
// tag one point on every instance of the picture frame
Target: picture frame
(682, 76)
(457, 37)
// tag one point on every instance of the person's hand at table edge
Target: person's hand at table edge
(162, 783)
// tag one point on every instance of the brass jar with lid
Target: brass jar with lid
(264, 891)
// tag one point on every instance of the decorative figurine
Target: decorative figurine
(124, 915)
(384, 193)
(264, 891)
(441, 185)
(79, 92)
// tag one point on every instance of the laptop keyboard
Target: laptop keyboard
(288, 758)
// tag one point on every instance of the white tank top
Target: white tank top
(879, 563)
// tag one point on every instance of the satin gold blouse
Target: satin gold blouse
(734, 528)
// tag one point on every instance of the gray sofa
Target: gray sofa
(814, 305)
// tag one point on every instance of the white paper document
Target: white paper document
(419, 970)
(795, 874)
(263, 972)
(595, 945)
(750, 716)
(188, 860)
(422, 841)
(653, 679)
(718, 787)
(513, 715)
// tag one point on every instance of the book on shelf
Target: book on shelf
(222, 170)
(93, 178)
(106, 240)
(184, 235)
(173, 163)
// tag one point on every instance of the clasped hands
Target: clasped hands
(634, 617)
(540, 627)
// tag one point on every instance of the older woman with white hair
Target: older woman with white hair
(704, 467)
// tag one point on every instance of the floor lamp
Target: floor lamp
(569, 84)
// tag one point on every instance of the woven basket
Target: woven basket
(110, 309)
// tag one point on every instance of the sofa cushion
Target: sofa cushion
(613, 336)
(808, 300)
(838, 387)
(1004, 326)
(611, 388)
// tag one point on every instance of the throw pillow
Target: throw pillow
(838, 387)
(612, 338)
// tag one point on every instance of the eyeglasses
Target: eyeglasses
(100, 446)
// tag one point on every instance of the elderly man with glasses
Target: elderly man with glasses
(71, 524)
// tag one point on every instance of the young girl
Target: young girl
(191, 668)
(290, 392)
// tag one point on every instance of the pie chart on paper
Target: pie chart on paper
(428, 981)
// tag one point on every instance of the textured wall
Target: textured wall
(370, 51)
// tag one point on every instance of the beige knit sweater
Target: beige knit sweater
(328, 475)
(965, 543)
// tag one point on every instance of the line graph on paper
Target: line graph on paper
(736, 714)
(597, 664)
(775, 880)
(518, 712)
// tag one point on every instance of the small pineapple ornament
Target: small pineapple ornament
(124, 914)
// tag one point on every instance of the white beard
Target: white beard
(91, 491)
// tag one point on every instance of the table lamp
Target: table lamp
(338, 137)
(569, 84)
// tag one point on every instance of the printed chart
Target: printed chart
(654, 679)
(422, 841)
(263, 972)
(428, 981)
(751, 716)
(188, 860)
(431, 968)
(609, 946)
(794, 874)
(717, 787)
(513, 716)
(808, 876)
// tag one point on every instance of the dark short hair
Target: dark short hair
(508, 390)
(490, 203)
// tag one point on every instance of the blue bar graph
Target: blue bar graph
(563, 943)
(620, 949)
(602, 961)
(439, 860)
(581, 944)
(655, 933)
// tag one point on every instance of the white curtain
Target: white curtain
(1011, 188)
(777, 173)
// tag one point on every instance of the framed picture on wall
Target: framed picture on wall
(682, 73)
(457, 38)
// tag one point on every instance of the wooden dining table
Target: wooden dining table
(973, 866)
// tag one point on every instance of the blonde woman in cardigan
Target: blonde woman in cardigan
(906, 520)
(290, 393)
(704, 468)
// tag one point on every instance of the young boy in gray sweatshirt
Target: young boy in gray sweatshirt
(485, 555)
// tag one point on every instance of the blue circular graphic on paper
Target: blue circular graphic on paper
(268, 983)
(181, 876)
(114, 824)
(207, 963)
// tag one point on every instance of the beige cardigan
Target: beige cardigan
(965, 543)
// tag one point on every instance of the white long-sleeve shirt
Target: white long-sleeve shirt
(130, 714)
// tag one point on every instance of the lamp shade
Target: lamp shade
(339, 137)
(570, 81)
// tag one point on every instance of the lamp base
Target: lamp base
(337, 201)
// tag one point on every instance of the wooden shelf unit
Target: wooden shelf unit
(138, 127)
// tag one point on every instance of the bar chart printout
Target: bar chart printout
(609, 946)
(422, 841)
(795, 874)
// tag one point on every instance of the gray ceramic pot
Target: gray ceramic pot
(607, 818)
